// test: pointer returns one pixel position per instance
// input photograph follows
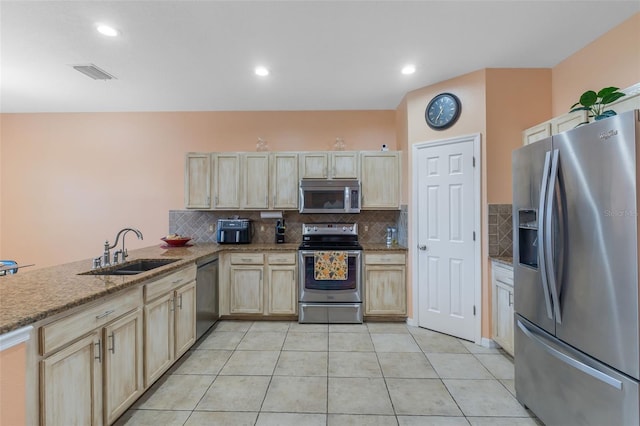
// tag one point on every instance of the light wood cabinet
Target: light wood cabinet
(226, 181)
(93, 362)
(255, 182)
(71, 384)
(283, 181)
(282, 294)
(169, 321)
(380, 180)
(197, 181)
(258, 283)
(502, 289)
(329, 165)
(385, 284)
(122, 364)
(554, 126)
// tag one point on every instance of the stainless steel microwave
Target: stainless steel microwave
(329, 196)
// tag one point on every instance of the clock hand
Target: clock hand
(439, 114)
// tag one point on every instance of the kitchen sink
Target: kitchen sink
(131, 268)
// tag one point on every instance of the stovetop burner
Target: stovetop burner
(330, 236)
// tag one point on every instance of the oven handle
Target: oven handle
(305, 253)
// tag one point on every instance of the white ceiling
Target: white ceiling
(200, 55)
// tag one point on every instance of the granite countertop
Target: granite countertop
(31, 296)
(383, 247)
(507, 260)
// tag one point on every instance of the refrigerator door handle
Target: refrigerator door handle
(541, 226)
(548, 238)
(599, 375)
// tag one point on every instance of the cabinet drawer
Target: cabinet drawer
(169, 282)
(247, 259)
(384, 259)
(281, 258)
(57, 334)
(503, 274)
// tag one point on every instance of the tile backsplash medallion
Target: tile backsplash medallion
(500, 230)
(372, 225)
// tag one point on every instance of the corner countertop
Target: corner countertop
(31, 296)
(505, 260)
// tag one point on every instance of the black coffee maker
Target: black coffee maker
(280, 228)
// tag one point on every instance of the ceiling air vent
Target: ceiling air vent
(93, 72)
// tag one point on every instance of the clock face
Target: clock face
(443, 111)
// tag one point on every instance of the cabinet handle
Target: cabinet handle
(266, 200)
(172, 304)
(244, 259)
(216, 200)
(180, 301)
(99, 356)
(105, 314)
(112, 336)
(274, 201)
(176, 281)
(510, 299)
(208, 199)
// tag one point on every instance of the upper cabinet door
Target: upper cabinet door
(314, 165)
(197, 181)
(226, 181)
(344, 165)
(380, 180)
(284, 181)
(255, 183)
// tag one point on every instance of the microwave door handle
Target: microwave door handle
(541, 226)
(222, 235)
(347, 199)
(237, 236)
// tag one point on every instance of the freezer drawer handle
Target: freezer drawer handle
(572, 362)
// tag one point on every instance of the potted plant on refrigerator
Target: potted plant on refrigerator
(594, 103)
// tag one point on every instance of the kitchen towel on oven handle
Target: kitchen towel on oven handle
(331, 265)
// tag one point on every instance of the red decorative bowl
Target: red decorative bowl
(176, 242)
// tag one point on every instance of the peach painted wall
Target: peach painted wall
(12, 385)
(610, 60)
(515, 100)
(70, 181)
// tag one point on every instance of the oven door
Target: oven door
(312, 290)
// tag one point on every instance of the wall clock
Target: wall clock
(443, 111)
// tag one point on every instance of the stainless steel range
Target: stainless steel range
(330, 261)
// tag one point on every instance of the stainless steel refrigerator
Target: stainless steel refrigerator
(577, 325)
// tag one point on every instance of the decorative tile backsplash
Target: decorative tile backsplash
(372, 225)
(500, 230)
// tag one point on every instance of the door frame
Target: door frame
(477, 264)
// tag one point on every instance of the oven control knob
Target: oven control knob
(344, 229)
(315, 228)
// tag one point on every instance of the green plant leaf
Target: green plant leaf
(574, 105)
(588, 98)
(606, 91)
(608, 113)
(611, 97)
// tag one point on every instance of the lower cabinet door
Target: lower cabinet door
(122, 364)
(71, 384)
(246, 290)
(185, 318)
(503, 316)
(385, 292)
(158, 337)
(283, 297)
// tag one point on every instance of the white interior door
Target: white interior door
(446, 220)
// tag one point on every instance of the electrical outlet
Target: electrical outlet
(366, 228)
(211, 228)
(261, 228)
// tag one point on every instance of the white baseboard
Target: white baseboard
(488, 343)
(412, 322)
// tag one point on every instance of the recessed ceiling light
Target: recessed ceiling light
(107, 30)
(262, 71)
(408, 69)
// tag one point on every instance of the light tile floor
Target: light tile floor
(285, 373)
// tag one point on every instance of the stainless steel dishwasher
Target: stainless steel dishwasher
(207, 312)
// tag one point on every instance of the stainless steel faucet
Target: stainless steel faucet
(106, 255)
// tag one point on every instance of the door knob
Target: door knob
(423, 248)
